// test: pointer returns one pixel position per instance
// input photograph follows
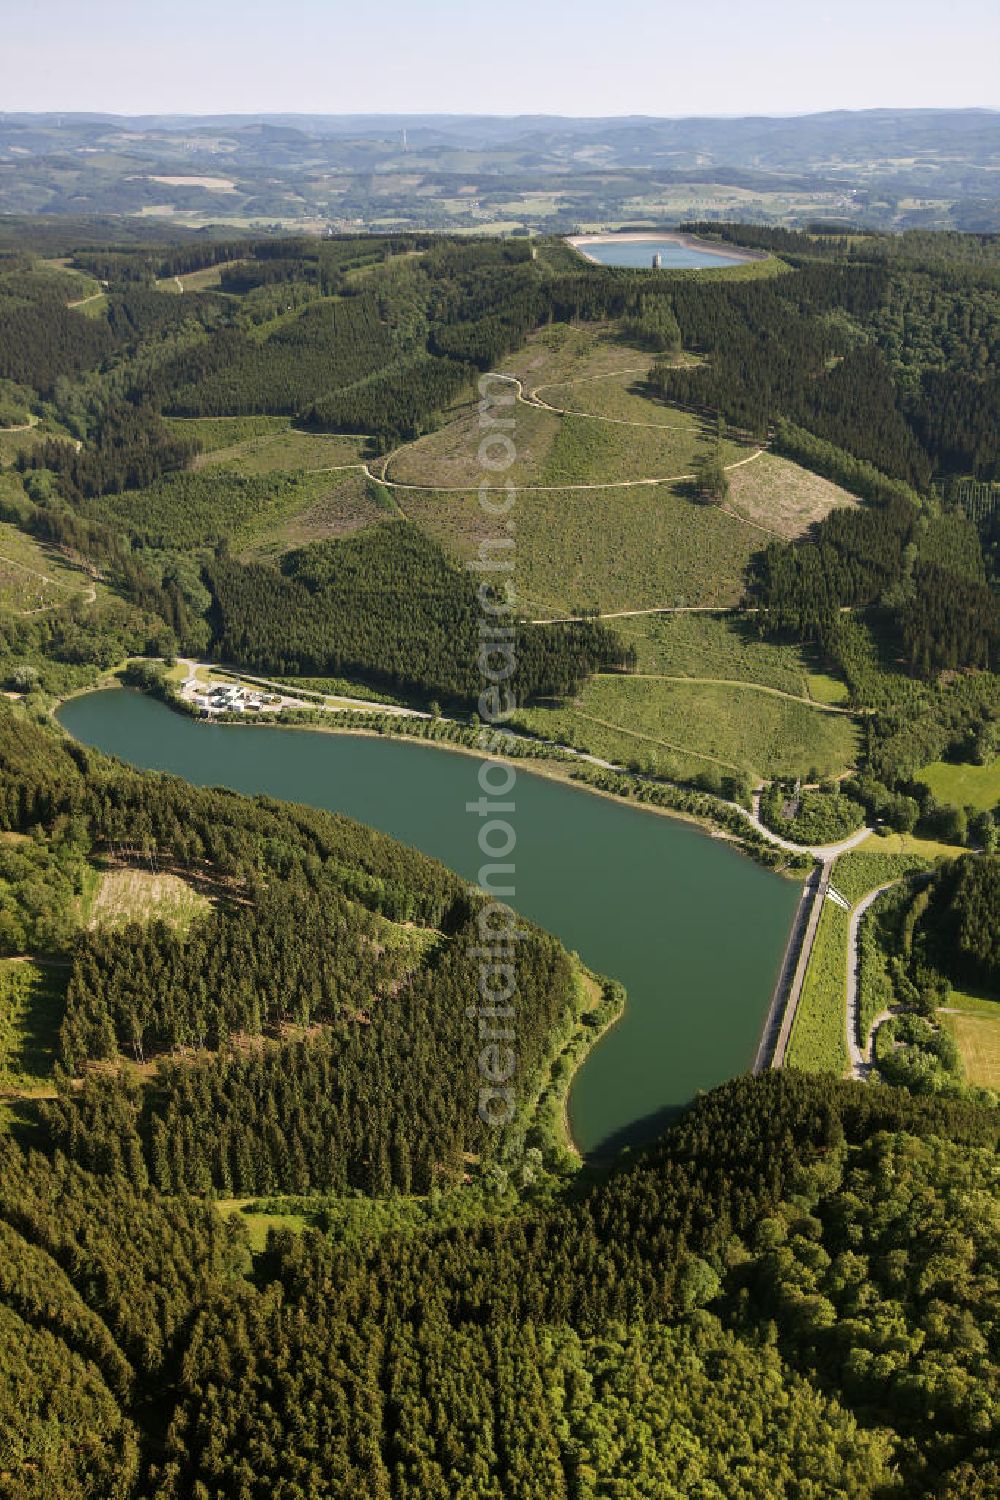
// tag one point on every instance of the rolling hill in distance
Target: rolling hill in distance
(499, 955)
(874, 168)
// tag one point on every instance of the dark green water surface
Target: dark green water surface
(693, 930)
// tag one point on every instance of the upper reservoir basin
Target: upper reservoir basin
(676, 252)
(694, 930)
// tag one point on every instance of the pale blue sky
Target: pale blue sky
(581, 57)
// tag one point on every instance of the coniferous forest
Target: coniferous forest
(256, 1241)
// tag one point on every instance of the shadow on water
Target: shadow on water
(621, 1150)
(643, 1131)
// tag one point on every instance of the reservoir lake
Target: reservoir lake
(637, 251)
(694, 930)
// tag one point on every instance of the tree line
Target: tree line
(712, 1277)
(389, 605)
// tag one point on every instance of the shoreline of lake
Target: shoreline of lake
(639, 899)
(732, 255)
(554, 768)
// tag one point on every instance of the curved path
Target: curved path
(652, 609)
(825, 853)
(88, 595)
(531, 400)
(731, 682)
(536, 489)
(528, 489)
(735, 515)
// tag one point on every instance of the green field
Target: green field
(719, 645)
(818, 1042)
(31, 1009)
(615, 548)
(974, 1022)
(207, 279)
(565, 352)
(974, 1003)
(589, 452)
(860, 871)
(602, 549)
(449, 457)
(822, 688)
(619, 396)
(556, 450)
(284, 451)
(331, 505)
(214, 433)
(964, 785)
(681, 728)
(34, 577)
(908, 843)
(258, 1222)
(596, 373)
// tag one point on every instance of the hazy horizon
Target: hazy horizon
(489, 114)
(583, 60)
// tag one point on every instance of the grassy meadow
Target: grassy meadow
(818, 1042)
(553, 449)
(31, 1010)
(724, 646)
(681, 728)
(864, 869)
(565, 352)
(974, 1022)
(215, 433)
(964, 785)
(35, 577)
(618, 548)
(929, 850)
(208, 279)
(284, 450)
(602, 549)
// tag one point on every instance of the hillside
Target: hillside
(710, 1290)
(738, 561)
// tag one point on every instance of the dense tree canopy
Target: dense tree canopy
(389, 604)
(793, 1292)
